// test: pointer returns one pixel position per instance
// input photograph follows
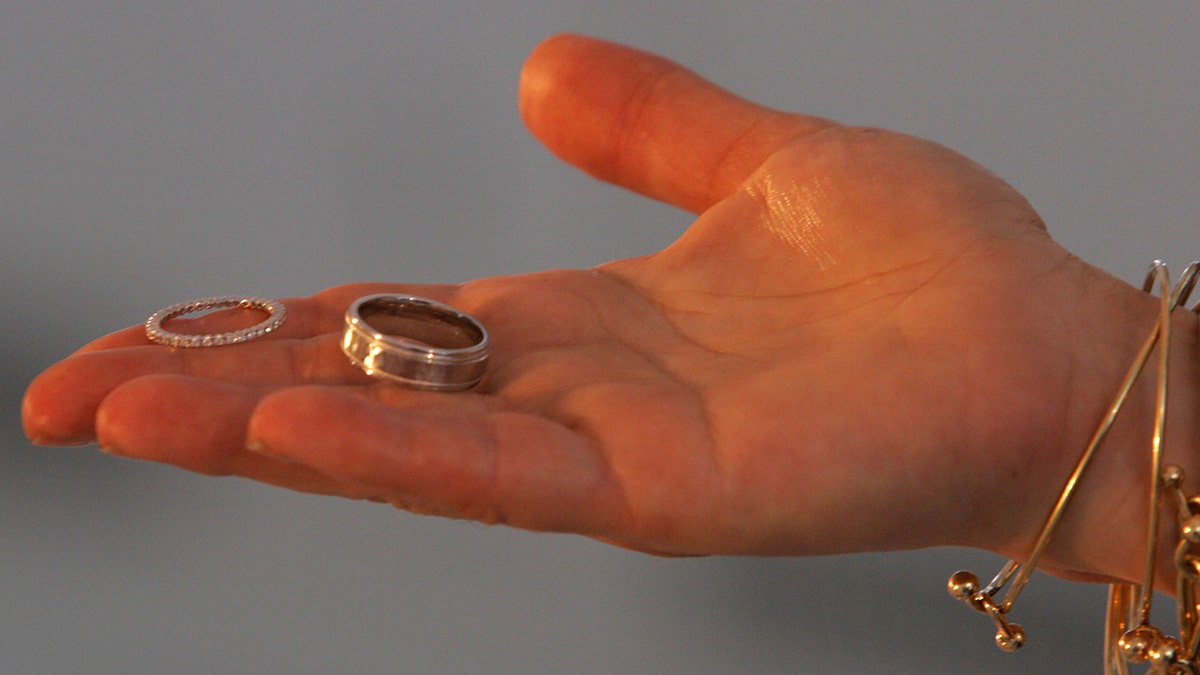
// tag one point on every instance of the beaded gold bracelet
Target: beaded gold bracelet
(1129, 636)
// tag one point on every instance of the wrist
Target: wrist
(1103, 535)
(1128, 495)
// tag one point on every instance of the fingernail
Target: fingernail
(39, 440)
(48, 441)
(259, 448)
(110, 450)
(254, 446)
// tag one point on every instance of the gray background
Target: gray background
(152, 152)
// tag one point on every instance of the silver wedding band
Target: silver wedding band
(275, 310)
(416, 342)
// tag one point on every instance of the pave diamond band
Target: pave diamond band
(416, 342)
(275, 310)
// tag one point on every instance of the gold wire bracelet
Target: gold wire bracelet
(1129, 635)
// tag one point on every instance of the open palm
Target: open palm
(860, 332)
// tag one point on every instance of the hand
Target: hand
(865, 341)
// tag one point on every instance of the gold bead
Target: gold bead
(1172, 476)
(1190, 529)
(1136, 644)
(1165, 652)
(1012, 639)
(963, 585)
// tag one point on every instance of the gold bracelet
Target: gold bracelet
(1129, 635)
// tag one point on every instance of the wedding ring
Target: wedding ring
(416, 342)
(275, 310)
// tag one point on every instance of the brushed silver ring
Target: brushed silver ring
(416, 342)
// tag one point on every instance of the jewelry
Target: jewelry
(275, 310)
(416, 342)
(1129, 636)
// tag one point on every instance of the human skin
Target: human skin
(865, 341)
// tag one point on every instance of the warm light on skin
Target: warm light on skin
(794, 216)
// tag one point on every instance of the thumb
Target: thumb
(647, 124)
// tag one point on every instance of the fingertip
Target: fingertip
(124, 417)
(285, 419)
(52, 413)
(115, 418)
(266, 416)
(560, 95)
(543, 59)
(550, 64)
(60, 405)
(194, 424)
